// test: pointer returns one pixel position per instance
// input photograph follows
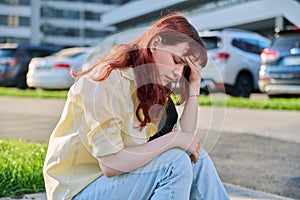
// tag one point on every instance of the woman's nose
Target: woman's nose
(177, 72)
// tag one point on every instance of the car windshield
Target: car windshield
(212, 42)
(286, 42)
(68, 53)
(6, 53)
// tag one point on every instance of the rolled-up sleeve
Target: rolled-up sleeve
(106, 139)
(103, 105)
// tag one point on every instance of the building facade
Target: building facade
(86, 22)
(262, 16)
(56, 22)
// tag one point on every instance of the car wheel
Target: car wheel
(204, 92)
(21, 82)
(243, 86)
(272, 96)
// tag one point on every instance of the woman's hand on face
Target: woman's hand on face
(195, 65)
(195, 76)
(196, 59)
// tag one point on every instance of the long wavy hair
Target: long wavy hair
(173, 29)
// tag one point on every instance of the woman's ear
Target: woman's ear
(156, 40)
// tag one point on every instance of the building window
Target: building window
(67, 0)
(24, 21)
(48, 29)
(15, 2)
(124, 1)
(48, 12)
(70, 14)
(2, 40)
(94, 34)
(92, 16)
(14, 40)
(12, 20)
(3, 19)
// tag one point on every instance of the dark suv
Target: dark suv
(14, 60)
(280, 69)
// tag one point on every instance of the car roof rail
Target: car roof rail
(236, 30)
(287, 32)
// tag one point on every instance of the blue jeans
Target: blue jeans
(169, 176)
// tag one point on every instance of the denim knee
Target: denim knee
(177, 155)
(180, 160)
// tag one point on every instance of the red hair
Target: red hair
(173, 29)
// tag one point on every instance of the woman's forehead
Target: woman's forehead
(179, 49)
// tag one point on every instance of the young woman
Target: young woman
(101, 147)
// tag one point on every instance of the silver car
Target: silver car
(234, 61)
(280, 69)
(53, 72)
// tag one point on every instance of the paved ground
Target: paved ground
(255, 149)
(259, 163)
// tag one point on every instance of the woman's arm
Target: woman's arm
(131, 158)
(188, 120)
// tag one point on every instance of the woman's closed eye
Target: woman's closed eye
(178, 60)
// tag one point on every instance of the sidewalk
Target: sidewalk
(238, 121)
(241, 193)
(268, 123)
(235, 192)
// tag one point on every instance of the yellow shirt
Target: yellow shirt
(98, 119)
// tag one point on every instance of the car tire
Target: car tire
(204, 92)
(243, 86)
(21, 82)
(272, 96)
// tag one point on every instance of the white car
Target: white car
(234, 61)
(53, 72)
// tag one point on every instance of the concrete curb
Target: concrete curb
(235, 193)
(241, 193)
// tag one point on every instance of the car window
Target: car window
(212, 42)
(247, 44)
(262, 45)
(6, 53)
(285, 42)
(67, 53)
(39, 52)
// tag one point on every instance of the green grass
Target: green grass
(239, 102)
(21, 167)
(14, 92)
(235, 102)
(275, 103)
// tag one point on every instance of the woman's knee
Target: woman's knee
(179, 158)
(173, 157)
(180, 163)
(176, 155)
(203, 154)
(204, 157)
(204, 162)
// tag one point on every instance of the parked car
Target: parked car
(53, 72)
(280, 69)
(234, 61)
(14, 60)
